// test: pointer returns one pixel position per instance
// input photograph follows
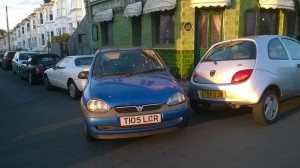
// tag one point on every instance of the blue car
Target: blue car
(131, 93)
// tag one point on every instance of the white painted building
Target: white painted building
(53, 18)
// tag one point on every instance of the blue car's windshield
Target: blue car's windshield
(126, 63)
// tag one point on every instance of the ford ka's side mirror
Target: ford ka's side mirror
(83, 74)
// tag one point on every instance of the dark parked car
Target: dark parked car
(18, 59)
(7, 58)
(34, 67)
(1, 58)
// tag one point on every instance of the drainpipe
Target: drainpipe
(91, 28)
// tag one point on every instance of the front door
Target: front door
(208, 32)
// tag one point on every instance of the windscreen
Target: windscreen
(127, 62)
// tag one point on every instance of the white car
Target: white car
(65, 74)
(256, 71)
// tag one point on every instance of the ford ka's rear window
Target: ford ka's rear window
(233, 50)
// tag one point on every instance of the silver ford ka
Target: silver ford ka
(258, 71)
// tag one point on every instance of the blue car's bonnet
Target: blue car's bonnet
(133, 90)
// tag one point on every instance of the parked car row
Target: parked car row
(129, 92)
(65, 74)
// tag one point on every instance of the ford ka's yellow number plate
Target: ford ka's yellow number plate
(220, 94)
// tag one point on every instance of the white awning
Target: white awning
(210, 3)
(277, 4)
(134, 9)
(103, 16)
(159, 5)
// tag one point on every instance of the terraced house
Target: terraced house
(183, 30)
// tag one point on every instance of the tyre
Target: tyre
(265, 112)
(199, 106)
(74, 92)
(20, 75)
(30, 78)
(47, 83)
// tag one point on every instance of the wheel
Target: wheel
(74, 91)
(30, 79)
(20, 75)
(266, 111)
(199, 106)
(47, 83)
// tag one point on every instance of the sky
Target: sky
(17, 11)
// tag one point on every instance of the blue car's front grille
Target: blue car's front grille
(176, 120)
(139, 108)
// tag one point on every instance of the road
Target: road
(39, 128)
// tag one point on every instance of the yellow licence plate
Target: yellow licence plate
(212, 94)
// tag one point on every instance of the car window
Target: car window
(293, 47)
(232, 50)
(10, 54)
(64, 62)
(83, 61)
(276, 50)
(47, 59)
(131, 62)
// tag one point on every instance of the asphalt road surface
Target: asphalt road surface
(39, 128)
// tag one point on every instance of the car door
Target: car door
(293, 48)
(59, 72)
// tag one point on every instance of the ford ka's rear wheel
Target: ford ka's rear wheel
(266, 111)
(199, 106)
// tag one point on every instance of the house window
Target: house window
(291, 26)
(41, 18)
(52, 34)
(95, 32)
(209, 29)
(73, 4)
(23, 31)
(250, 23)
(33, 24)
(136, 31)
(164, 27)
(107, 33)
(58, 31)
(28, 27)
(50, 15)
(43, 39)
(268, 22)
(82, 38)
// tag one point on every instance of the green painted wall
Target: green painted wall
(122, 30)
(181, 55)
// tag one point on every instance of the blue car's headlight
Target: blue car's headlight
(97, 105)
(176, 98)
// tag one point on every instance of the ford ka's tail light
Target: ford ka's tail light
(241, 76)
(195, 76)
